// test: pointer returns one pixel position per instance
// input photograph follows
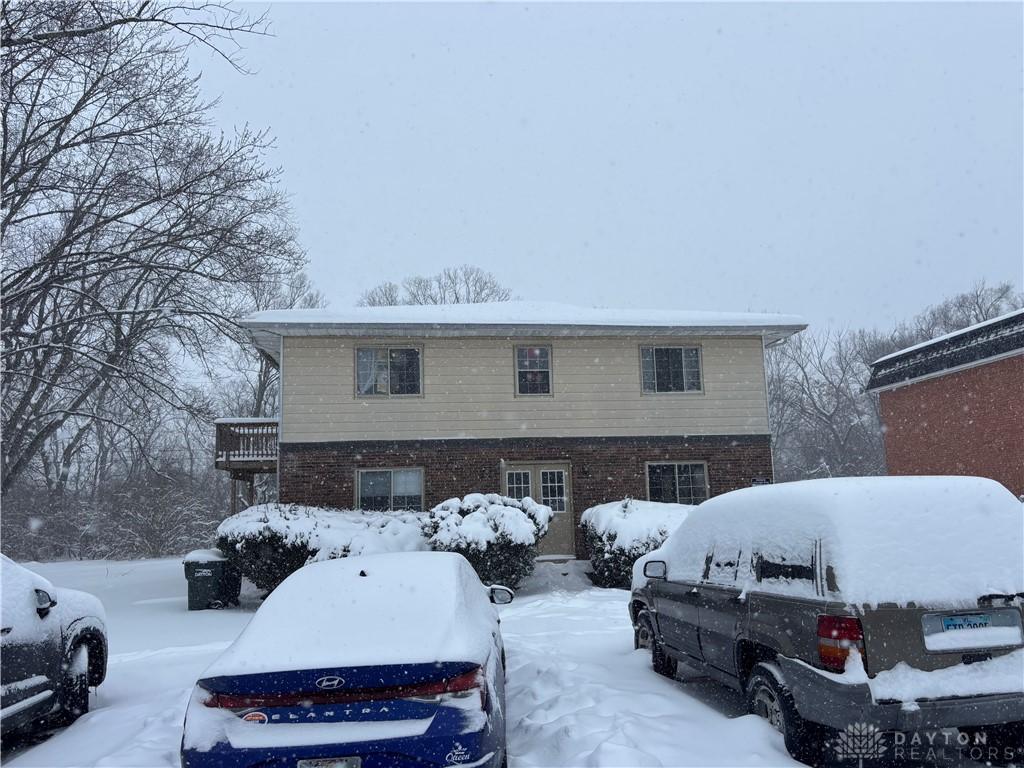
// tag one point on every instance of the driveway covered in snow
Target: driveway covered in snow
(577, 692)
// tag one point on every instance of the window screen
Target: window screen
(375, 490)
(670, 369)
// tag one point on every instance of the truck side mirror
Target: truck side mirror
(656, 569)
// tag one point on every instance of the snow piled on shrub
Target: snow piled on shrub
(631, 522)
(329, 532)
(479, 520)
(267, 542)
(620, 532)
(497, 534)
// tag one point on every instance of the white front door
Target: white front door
(549, 485)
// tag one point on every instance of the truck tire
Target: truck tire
(770, 698)
(643, 633)
(663, 663)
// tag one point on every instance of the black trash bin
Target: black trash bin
(212, 581)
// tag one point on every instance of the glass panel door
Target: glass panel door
(517, 484)
(552, 489)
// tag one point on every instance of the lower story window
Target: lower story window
(676, 483)
(383, 489)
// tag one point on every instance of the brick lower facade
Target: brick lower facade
(968, 422)
(602, 468)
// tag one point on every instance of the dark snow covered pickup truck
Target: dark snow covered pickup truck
(53, 646)
(886, 603)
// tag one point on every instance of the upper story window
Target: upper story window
(533, 370)
(674, 483)
(387, 371)
(670, 369)
(384, 489)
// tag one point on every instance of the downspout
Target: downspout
(767, 405)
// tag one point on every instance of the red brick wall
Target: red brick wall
(966, 423)
(602, 469)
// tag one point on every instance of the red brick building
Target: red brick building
(955, 405)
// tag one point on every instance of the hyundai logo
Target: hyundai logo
(330, 682)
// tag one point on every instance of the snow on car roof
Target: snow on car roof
(408, 608)
(938, 540)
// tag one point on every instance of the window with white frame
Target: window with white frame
(533, 370)
(387, 371)
(517, 484)
(677, 483)
(384, 489)
(670, 369)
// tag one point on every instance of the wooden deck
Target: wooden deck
(246, 447)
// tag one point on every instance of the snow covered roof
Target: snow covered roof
(888, 539)
(511, 318)
(992, 339)
(397, 608)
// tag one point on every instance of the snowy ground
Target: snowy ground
(577, 692)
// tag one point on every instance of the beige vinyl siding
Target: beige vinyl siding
(469, 391)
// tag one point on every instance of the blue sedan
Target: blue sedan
(362, 662)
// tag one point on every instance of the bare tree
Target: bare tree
(453, 285)
(131, 235)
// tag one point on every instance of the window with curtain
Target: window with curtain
(387, 371)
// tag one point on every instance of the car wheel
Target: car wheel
(770, 698)
(74, 689)
(663, 663)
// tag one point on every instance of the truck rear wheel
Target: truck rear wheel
(663, 663)
(770, 698)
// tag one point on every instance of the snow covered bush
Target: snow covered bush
(497, 534)
(619, 532)
(267, 542)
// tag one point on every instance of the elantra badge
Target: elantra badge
(330, 682)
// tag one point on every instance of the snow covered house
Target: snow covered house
(404, 407)
(955, 405)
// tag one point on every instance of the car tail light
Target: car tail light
(836, 636)
(464, 685)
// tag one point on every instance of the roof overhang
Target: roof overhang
(266, 336)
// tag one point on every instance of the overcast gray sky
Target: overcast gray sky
(849, 162)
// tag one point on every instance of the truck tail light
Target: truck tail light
(836, 636)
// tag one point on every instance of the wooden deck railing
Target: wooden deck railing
(246, 445)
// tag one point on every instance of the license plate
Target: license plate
(967, 621)
(331, 762)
